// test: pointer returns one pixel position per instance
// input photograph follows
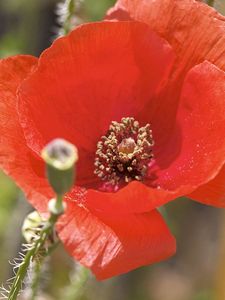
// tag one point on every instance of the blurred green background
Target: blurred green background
(197, 272)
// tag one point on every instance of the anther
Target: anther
(124, 152)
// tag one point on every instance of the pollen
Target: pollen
(124, 153)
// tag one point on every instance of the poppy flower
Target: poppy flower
(148, 125)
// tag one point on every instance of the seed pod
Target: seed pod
(60, 157)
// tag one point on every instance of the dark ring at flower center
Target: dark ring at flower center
(124, 152)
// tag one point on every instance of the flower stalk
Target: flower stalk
(67, 15)
(60, 157)
(35, 279)
(31, 254)
(78, 280)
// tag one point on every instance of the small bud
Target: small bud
(32, 227)
(60, 157)
(56, 209)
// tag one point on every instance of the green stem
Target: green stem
(30, 255)
(59, 203)
(68, 15)
(78, 281)
(35, 279)
(21, 273)
(70, 11)
(37, 270)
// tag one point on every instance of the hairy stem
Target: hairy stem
(35, 279)
(78, 281)
(67, 13)
(21, 273)
(30, 255)
(67, 26)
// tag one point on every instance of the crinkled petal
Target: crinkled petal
(136, 197)
(15, 156)
(112, 246)
(99, 73)
(198, 137)
(195, 30)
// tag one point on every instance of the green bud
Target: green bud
(60, 157)
(32, 227)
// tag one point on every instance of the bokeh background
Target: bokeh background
(196, 272)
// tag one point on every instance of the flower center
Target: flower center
(124, 153)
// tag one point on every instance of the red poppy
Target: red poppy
(112, 89)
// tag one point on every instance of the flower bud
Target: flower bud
(60, 157)
(32, 227)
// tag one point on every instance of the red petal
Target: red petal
(136, 197)
(111, 246)
(212, 193)
(97, 74)
(195, 30)
(14, 153)
(198, 138)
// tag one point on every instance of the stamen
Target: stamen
(124, 152)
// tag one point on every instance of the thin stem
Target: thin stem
(30, 255)
(66, 12)
(59, 203)
(35, 279)
(78, 281)
(21, 273)
(70, 4)
(67, 15)
(37, 270)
